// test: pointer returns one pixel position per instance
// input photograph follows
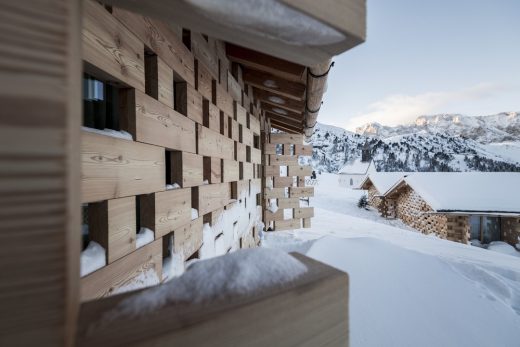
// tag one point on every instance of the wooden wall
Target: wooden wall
(415, 212)
(288, 187)
(511, 230)
(40, 117)
(193, 123)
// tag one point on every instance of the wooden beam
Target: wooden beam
(285, 127)
(280, 101)
(295, 121)
(281, 112)
(267, 63)
(274, 84)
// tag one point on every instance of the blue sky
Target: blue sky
(428, 57)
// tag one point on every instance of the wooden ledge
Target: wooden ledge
(311, 311)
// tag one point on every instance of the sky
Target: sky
(428, 57)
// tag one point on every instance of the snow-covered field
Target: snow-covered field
(408, 289)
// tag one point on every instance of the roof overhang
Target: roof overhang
(284, 46)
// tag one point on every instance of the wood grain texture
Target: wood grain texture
(114, 168)
(149, 121)
(303, 150)
(188, 238)
(304, 212)
(112, 224)
(222, 99)
(256, 156)
(301, 192)
(282, 182)
(241, 151)
(103, 282)
(186, 169)
(284, 160)
(111, 47)
(213, 144)
(289, 203)
(163, 41)
(210, 116)
(163, 212)
(286, 138)
(203, 80)
(230, 170)
(288, 224)
(296, 170)
(213, 169)
(188, 101)
(210, 197)
(275, 193)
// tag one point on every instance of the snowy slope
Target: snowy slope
(420, 151)
(406, 288)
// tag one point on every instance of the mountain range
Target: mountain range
(448, 142)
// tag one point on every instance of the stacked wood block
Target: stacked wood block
(511, 230)
(195, 145)
(414, 211)
(284, 182)
(373, 197)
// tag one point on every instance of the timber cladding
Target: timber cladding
(284, 182)
(415, 212)
(195, 145)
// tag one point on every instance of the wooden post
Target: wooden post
(40, 120)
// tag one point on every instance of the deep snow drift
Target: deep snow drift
(409, 289)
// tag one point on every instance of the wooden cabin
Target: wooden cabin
(377, 183)
(161, 127)
(458, 206)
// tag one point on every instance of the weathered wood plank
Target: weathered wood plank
(165, 211)
(188, 102)
(289, 203)
(213, 169)
(163, 41)
(211, 116)
(288, 224)
(275, 193)
(115, 168)
(304, 212)
(230, 170)
(209, 197)
(299, 170)
(282, 182)
(286, 138)
(188, 238)
(186, 169)
(150, 121)
(304, 150)
(203, 80)
(213, 144)
(110, 46)
(300, 192)
(112, 225)
(104, 281)
(284, 160)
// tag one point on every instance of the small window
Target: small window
(351, 182)
(100, 104)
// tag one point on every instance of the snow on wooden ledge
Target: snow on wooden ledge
(310, 308)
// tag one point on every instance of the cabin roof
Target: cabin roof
(465, 192)
(382, 180)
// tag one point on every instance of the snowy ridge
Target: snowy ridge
(412, 151)
(484, 129)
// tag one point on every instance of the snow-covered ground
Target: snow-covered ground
(409, 289)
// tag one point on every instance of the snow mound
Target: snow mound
(144, 237)
(92, 258)
(172, 186)
(502, 247)
(194, 213)
(238, 273)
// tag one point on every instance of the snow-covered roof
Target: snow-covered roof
(357, 167)
(485, 192)
(383, 180)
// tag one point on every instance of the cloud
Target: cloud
(402, 109)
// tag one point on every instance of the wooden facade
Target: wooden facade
(195, 112)
(194, 124)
